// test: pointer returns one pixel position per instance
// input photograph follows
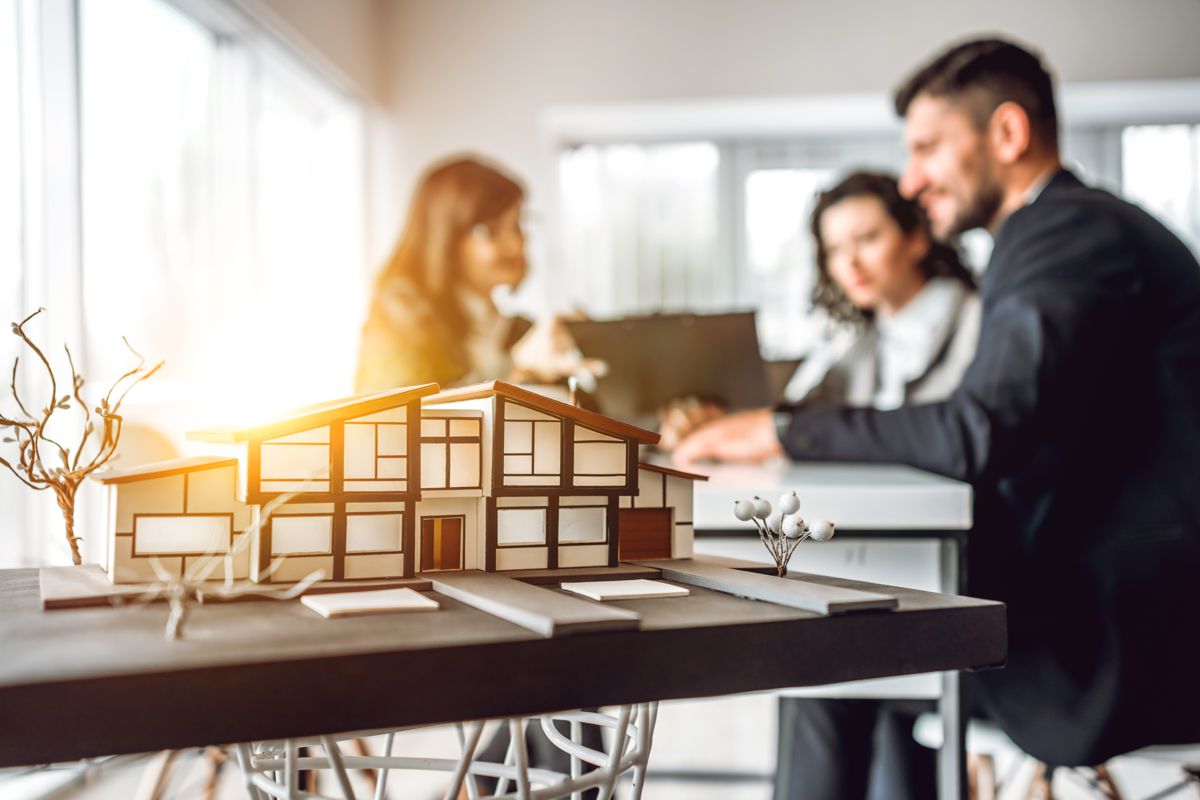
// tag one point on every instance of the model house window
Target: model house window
(532, 447)
(600, 460)
(586, 525)
(298, 462)
(182, 535)
(221, 200)
(205, 180)
(376, 456)
(301, 534)
(451, 452)
(374, 533)
(520, 526)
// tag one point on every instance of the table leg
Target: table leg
(952, 758)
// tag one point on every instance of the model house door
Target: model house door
(441, 543)
(644, 533)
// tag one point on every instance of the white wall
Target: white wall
(466, 75)
(453, 75)
(345, 35)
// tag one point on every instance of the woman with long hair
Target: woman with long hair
(432, 318)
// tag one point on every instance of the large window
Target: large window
(173, 173)
(723, 224)
(1160, 170)
(451, 452)
(221, 207)
(532, 447)
(12, 493)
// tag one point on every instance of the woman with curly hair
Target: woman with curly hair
(902, 313)
(903, 310)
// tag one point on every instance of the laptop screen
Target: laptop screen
(655, 359)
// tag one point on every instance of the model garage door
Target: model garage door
(644, 533)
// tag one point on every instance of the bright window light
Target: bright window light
(1160, 170)
(222, 214)
(779, 253)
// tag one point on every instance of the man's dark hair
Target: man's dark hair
(982, 74)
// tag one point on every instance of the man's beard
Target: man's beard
(979, 211)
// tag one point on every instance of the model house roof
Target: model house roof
(316, 415)
(543, 403)
(162, 469)
(678, 473)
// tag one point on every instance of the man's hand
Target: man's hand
(547, 353)
(683, 417)
(744, 436)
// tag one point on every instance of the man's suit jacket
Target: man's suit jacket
(1078, 424)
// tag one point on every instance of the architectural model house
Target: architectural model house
(489, 477)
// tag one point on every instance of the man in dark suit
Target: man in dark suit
(1078, 423)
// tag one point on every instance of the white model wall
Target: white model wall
(173, 512)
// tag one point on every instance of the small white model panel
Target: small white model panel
(310, 436)
(513, 410)
(292, 535)
(520, 526)
(373, 533)
(153, 496)
(582, 525)
(521, 558)
(294, 462)
(176, 534)
(680, 492)
(583, 556)
(397, 414)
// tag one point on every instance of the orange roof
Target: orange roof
(547, 404)
(316, 415)
(162, 469)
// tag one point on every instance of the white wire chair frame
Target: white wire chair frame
(272, 769)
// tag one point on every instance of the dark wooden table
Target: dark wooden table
(87, 682)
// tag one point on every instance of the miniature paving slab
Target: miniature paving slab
(797, 591)
(541, 610)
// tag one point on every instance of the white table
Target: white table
(895, 525)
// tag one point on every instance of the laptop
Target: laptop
(658, 358)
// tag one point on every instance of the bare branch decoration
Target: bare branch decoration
(30, 432)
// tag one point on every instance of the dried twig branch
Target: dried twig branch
(31, 434)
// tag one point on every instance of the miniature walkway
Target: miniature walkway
(544, 611)
(806, 592)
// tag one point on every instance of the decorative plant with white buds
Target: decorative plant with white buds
(781, 529)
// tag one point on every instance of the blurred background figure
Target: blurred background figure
(902, 309)
(432, 316)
